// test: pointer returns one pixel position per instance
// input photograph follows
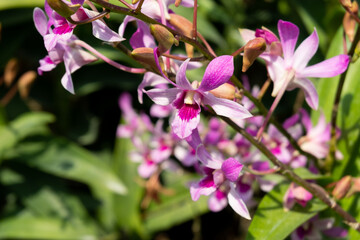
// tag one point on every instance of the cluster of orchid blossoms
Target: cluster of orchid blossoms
(232, 169)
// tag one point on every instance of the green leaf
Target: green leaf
(25, 125)
(272, 222)
(175, 208)
(128, 207)
(67, 160)
(30, 227)
(20, 4)
(304, 173)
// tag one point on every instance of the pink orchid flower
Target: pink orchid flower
(296, 194)
(186, 98)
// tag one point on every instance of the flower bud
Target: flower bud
(349, 22)
(134, 1)
(62, 8)
(226, 91)
(346, 3)
(177, 3)
(146, 56)
(165, 38)
(11, 70)
(184, 26)
(252, 50)
(25, 82)
(342, 187)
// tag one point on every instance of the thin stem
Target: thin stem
(314, 189)
(194, 29)
(138, 8)
(237, 52)
(207, 45)
(109, 61)
(329, 161)
(88, 2)
(194, 59)
(89, 20)
(127, 4)
(263, 89)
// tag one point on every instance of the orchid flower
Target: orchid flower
(316, 228)
(186, 98)
(220, 182)
(296, 194)
(291, 70)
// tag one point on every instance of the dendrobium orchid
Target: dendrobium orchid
(186, 98)
(291, 71)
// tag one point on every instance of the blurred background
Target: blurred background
(62, 169)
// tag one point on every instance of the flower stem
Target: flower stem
(314, 189)
(194, 29)
(109, 61)
(330, 159)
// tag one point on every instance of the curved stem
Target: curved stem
(195, 59)
(314, 189)
(109, 61)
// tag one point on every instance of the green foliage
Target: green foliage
(271, 221)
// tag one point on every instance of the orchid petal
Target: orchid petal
(101, 31)
(247, 34)
(217, 73)
(217, 201)
(194, 139)
(305, 119)
(232, 169)
(46, 65)
(146, 169)
(184, 127)
(181, 80)
(142, 37)
(206, 159)
(289, 33)
(311, 95)
(225, 107)
(81, 2)
(40, 21)
(163, 97)
(150, 79)
(305, 51)
(123, 25)
(196, 190)
(237, 203)
(328, 68)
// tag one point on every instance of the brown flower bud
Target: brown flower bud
(346, 3)
(134, 1)
(146, 56)
(342, 187)
(349, 22)
(226, 91)
(62, 8)
(11, 70)
(184, 26)
(177, 3)
(252, 50)
(165, 38)
(25, 82)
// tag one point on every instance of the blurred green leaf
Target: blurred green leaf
(67, 160)
(31, 227)
(176, 208)
(25, 125)
(128, 207)
(304, 173)
(348, 120)
(4, 4)
(272, 222)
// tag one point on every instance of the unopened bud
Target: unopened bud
(11, 70)
(146, 56)
(342, 187)
(62, 8)
(177, 3)
(346, 3)
(252, 50)
(226, 91)
(184, 26)
(165, 38)
(25, 82)
(349, 22)
(134, 1)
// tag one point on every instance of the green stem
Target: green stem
(330, 159)
(314, 189)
